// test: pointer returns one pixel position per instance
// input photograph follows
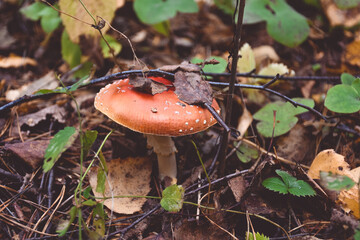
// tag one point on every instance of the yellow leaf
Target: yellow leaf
(247, 61)
(76, 28)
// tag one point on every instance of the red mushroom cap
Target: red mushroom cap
(159, 114)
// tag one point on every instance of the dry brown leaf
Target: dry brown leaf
(265, 54)
(31, 152)
(340, 17)
(14, 61)
(75, 28)
(46, 82)
(237, 186)
(329, 161)
(127, 177)
(352, 53)
(244, 122)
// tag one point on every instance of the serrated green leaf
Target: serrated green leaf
(70, 51)
(336, 182)
(286, 177)
(33, 11)
(58, 144)
(347, 79)
(213, 68)
(285, 116)
(258, 236)
(64, 226)
(155, 11)
(246, 153)
(114, 44)
(343, 99)
(89, 138)
(172, 198)
(300, 188)
(284, 24)
(275, 184)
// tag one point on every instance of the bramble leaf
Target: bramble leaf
(258, 236)
(275, 184)
(336, 182)
(213, 68)
(172, 198)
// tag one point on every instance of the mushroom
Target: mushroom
(159, 117)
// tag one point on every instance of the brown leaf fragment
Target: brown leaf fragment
(14, 61)
(341, 17)
(184, 66)
(192, 89)
(31, 152)
(126, 177)
(352, 53)
(237, 186)
(146, 85)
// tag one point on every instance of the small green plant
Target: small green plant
(285, 116)
(345, 4)
(288, 184)
(172, 198)
(345, 97)
(258, 236)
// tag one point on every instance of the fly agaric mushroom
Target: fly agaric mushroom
(159, 116)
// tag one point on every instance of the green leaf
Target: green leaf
(58, 144)
(343, 99)
(227, 6)
(78, 84)
(300, 188)
(213, 68)
(345, 4)
(163, 28)
(64, 225)
(89, 138)
(101, 174)
(288, 184)
(155, 11)
(89, 202)
(347, 79)
(50, 19)
(33, 11)
(258, 236)
(99, 220)
(114, 44)
(336, 182)
(284, 24)
(246, 153)
(357, 233)
(70, 51)
(86, 192)
(356, 85)
(285, 116)
(275, 184)
(172, 198)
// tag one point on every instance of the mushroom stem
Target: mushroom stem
(165, 149)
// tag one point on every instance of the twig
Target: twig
(235, 57)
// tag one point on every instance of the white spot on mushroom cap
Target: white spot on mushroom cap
(180, 130)
(204, 121)
(186, 123)
(177, 112)
(188, 112)
(165, 108)
(197, 120)
(191, 129)
(200, 112)
(123, 91)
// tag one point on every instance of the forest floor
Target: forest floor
(34, 203)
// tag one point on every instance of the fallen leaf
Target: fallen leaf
(57, 113)
(329, 161)
(352, 53)
(48, 81)
(14, 61)
(244, 122)
(237, 186)
(246, 62)
(127, 177)
(76, 28)
(265, 54)
(275, 68)
(31, 152)
(340, 17)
